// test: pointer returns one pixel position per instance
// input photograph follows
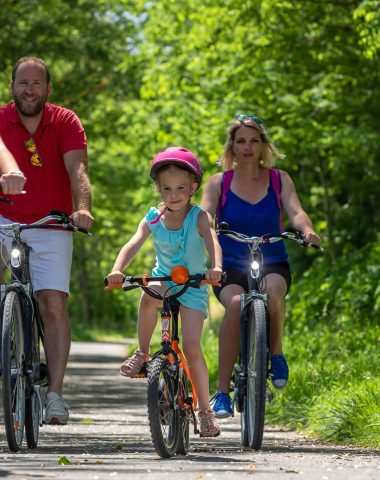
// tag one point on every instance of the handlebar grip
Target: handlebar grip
(113, 287)
(216, 284)
(109, 287)
(83, 230)
(210, 282)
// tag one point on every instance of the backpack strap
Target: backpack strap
(275, 178)
(224, 188)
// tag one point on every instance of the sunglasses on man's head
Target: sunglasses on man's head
(254, 118)
(31, 146)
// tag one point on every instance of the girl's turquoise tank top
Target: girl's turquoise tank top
(180, 247)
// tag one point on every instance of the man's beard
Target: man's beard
(32, 112)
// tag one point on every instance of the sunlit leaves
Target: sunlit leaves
(146, 75)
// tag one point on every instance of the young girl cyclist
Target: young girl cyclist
(180, 231)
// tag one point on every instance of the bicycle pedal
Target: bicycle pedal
(269, 395)
(142, 373)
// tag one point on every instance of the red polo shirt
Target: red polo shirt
(47, 186)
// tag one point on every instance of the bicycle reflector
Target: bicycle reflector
(179, 274)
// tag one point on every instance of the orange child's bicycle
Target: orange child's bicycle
(170, 406)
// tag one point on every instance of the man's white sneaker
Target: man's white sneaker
(57, 411)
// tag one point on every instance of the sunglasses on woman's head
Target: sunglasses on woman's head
(31, 146)
(254, 118)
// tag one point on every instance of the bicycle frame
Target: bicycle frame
(254, 291)
(171, 350)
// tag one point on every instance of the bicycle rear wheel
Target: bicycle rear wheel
(33, 411)
(253, 415)
(184, 414)
(162, 412)
(12, 362)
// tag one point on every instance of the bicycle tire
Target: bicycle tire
(163, 413)
(253, 415)
(184, 414)
(13, 378)
(32, 402)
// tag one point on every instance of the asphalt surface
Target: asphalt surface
(108, 438)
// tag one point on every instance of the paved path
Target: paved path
(108, 438)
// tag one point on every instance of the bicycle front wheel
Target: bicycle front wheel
(162, 407)
(253, 415)
(33, 405)
(12, 363)
(184, 414)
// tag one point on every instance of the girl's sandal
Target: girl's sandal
(208, 425)
(132, 365)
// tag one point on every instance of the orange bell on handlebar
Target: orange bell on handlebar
(179, 274)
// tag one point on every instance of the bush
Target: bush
(332, 343)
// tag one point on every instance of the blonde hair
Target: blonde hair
(269, 152)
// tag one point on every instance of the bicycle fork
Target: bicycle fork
(241, 369)
(171, 350)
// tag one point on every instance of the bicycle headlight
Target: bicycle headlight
(255, 265)
(15, 257)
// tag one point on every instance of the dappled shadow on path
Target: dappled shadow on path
(108, 431)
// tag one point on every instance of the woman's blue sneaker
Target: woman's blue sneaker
(222, 405)
(279, 371)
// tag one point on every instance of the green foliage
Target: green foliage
(146, 75)
(332, 345)
(348, 414)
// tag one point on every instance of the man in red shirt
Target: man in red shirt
(49, 145)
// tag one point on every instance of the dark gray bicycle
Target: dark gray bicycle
(252, 370)
(23, 375)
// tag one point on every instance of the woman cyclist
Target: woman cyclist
(249, 196)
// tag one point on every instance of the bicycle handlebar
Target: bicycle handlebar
(62, 219)
(294, 235)
(5, 200)
(130, 282)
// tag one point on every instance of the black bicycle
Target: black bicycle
(23, 375)
(170, 407)
(252, 370)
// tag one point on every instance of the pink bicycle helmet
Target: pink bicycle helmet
(177, 156)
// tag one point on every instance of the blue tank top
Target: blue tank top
(253, 220)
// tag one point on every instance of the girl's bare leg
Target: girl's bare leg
(147, 321)
(192, 326)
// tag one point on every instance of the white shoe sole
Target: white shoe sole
(222, 414)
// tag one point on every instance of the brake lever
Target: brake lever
(68, 225)
(128, 285)
(59, 213)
